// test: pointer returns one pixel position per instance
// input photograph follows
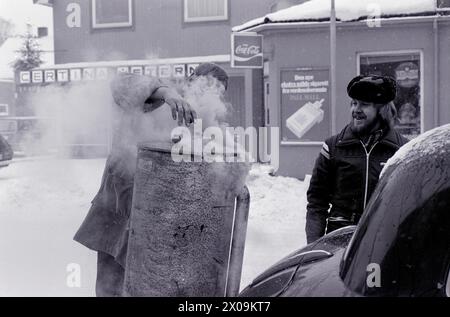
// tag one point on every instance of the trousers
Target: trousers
(110, 276)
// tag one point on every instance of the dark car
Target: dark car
(401, 246)
(6, 152)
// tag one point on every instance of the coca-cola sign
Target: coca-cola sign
(246, 49)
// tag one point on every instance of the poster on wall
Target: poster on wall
(305, 105)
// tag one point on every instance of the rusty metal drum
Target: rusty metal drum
(181, 225)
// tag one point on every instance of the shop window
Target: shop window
(205, 10)
(112, 13)
(443, 4)
(405, 69)
(4, 109)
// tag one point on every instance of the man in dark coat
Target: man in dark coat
(105, 228)
(349, 164)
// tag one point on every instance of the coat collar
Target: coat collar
(347, 137)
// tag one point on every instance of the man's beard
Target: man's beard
(365, 129)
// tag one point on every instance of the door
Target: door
(235, 95)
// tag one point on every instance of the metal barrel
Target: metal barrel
(181, 225)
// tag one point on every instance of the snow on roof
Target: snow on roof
(9, 52)
(346, 10)
(424, 145)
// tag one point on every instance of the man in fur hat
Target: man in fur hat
(349, 164)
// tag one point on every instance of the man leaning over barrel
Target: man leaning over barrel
(105, 228)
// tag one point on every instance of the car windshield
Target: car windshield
(404, 230)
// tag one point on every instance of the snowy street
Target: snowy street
(45, 200)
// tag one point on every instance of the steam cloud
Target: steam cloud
(205, 95)
(79, 114)
(84, 113)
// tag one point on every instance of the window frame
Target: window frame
(225, 17)
(4, 113)
(421, 68)
(96, 25)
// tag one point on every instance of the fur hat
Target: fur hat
(376, 89)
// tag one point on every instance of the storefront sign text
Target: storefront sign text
(41, 76)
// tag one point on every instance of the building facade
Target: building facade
(7, 98)
(102, 30)
(413, 49)
(168, 38)
(165, 38)
(7, 107)
(167, 32)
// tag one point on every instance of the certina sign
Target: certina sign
(62, 75)
(247, 50)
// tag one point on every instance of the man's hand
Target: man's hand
(181, 109)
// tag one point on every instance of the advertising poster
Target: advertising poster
(305, 105)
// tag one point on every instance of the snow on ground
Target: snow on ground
(346, 10)
(42, 204)
(44, 201)
(276, 221)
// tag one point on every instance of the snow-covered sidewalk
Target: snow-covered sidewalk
(44, 201)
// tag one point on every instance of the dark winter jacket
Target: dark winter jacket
(105, 227)
(345, 176)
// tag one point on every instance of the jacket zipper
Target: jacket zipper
(367, 170)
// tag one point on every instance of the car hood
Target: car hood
(312, 271)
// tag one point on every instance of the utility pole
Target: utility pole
(333, 65)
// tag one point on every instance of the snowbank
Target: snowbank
(346, 10)
(276, 221)
(43, 203)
